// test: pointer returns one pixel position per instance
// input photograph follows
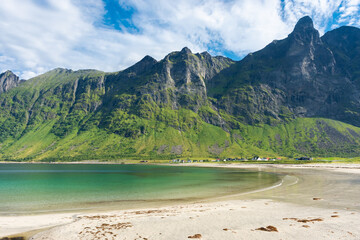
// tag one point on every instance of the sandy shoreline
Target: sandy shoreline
(289, 208)
(235, 219)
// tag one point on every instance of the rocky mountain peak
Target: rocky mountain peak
(304, 32)
(148, 59)
(8, 72)
(185, 50)
(206, 55)
(304, 23)
(143, 65)
(8, 80)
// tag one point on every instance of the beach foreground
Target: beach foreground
(311, 203)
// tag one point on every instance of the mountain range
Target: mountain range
(297, 96)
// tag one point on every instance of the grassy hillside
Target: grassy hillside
(159, 110)
(303, 136)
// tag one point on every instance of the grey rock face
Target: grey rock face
(178, 80)
(344, 42)
(8, 80)
(186, 75)
(303, 75)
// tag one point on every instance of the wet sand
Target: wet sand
(313, 202)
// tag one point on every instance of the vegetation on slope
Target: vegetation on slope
(189, 105)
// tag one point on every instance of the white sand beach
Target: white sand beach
(313, 202)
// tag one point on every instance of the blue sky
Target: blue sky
(110, 35)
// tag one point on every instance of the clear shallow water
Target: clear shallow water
(31, 188)
(337, 190)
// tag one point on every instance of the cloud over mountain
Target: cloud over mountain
(111, 35)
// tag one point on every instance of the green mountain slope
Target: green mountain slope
(318, 137)
(193, 105)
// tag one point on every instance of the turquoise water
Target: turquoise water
(31, 188)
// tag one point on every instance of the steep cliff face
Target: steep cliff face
(87, 98)
(153, 89)
(178, 80)
(295, 77)
(8, 80)
(276, 101)
(344, 42)
(185, 75)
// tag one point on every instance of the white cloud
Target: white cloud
(27, 74)
(38, 37)
(240, 26)
(350, 12)
(320, 10)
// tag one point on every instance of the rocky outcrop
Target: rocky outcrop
(184, 76)
(179, 80)
(190, 102)
(8, 80)
(302, 75)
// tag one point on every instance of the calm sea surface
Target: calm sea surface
(32, 188)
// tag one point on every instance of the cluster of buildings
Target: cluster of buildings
(225, 160)
(256, 158)
(187, 161)
(265, 159)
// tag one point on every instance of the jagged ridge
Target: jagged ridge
(194, 104)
